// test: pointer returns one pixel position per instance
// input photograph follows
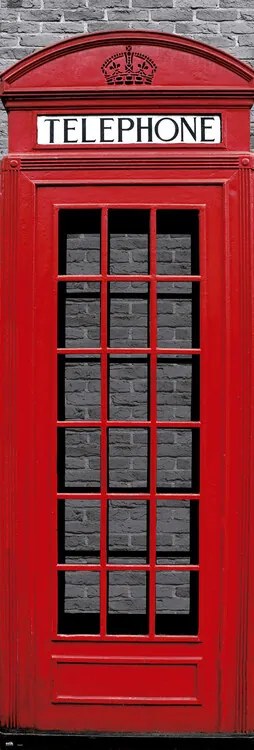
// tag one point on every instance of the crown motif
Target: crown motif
(129, 68)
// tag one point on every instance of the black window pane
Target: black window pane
(128, 304)
(127, 602)
(79, 387)
(128, 387)
(79, 241)
(128, 241)
(79, 602)
(79, 315)
(177, 242)
(127, 532)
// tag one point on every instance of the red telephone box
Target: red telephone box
(126, 517)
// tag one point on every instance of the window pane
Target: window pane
(178, 460)
(178, 388)
(79, 531)
(128, 315)
(128, 241)
(127, 602)
(176, 602)
(128, 388)
(79, 241)
(177, 242)
(79, 602)
(79, 387)
(128, 459)
(79, 315)
(178, 315)
(127, 532)
(177, 532)
(78, 459)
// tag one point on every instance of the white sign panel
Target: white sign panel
(122, 129)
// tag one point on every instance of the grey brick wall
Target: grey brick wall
(27, 25)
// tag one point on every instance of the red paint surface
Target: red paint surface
(153, 683)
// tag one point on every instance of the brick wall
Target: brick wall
(27, 25)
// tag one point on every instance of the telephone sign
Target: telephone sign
(129, 129)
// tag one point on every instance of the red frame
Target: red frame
(212, 672)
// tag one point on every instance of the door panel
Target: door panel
(129, 396)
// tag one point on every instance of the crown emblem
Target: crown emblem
(129, 68)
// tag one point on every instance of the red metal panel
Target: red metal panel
(207, 643)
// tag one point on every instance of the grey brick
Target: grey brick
(8, 14)
(40, 40)
(187, 29)
(18, 4)
(247, 15)
(7, 40)
(172, 14)
(236, 27)
(161, 26)
(107, 3)
(223, 42)
(74, 27)
(245, 53)
(240, 4)
(217, 14)
(50, 4)
(93, 26)
(198, 3)
(152, 4)
(85, 14)
(121, 14)
(20, 27)
(37, 14)
(247, 40)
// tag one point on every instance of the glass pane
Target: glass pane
(176, 602)
(128, 388)
(178, 460)
(79, 602)
(79, 387)
(177, 532)
(178, 315)
(127, 602)
(79, 531)
(79, 241)
(128, 459)
(128, 315)
(127, 531)
(79, 315)
(78, 459)
(177, 242)
(128, 241)
(178, 388)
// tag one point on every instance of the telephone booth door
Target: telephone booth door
(131, 523)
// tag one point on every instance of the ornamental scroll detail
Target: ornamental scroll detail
(128, 68)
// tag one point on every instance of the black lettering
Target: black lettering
(192, 131)
(204, 127)
(52, 121)
(104, 127)
(122, 129)
(148, 127)
(84, 138)
(156, 129)
(68, 127)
